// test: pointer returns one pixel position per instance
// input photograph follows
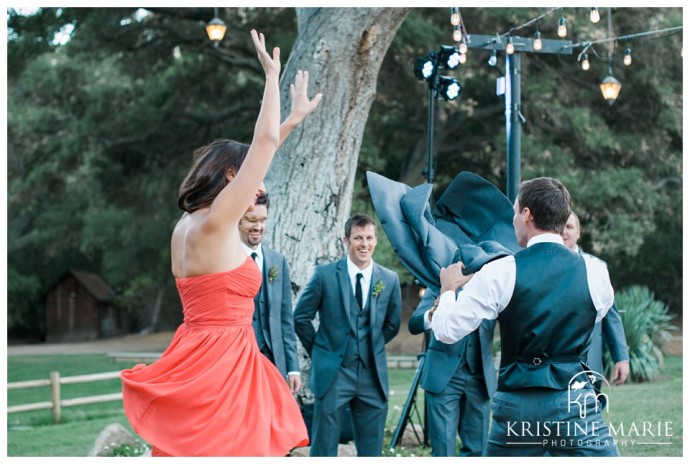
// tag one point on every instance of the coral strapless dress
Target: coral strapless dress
(212, 392)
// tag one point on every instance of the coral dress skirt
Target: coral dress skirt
(212, 392)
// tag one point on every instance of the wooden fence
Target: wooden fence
(55, 403)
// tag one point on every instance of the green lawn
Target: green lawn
(33, 434)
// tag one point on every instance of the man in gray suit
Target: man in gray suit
(272, 321)
(359, 308)
(609, 329)
(458, 380)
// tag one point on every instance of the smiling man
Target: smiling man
(359, 308)
(272, 320)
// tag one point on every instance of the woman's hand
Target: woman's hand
(301, 105)
(270, 64)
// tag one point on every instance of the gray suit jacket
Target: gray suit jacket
(442, 360)
(278, 302)
(328, 293)
(611, 330)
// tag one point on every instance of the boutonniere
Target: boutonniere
(273, 273)
(378, 288)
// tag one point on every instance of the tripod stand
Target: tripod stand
(411, 404)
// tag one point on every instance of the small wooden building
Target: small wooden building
(80, 307)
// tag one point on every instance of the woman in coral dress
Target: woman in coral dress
(212, 392)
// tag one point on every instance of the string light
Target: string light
(537, 44)
(492, 59)
(457, 33)
(594, 15)
(462, 48)
(462, 58)
(510, 47)
(585, 62)
(562, 29)
(455, 16)
(627, 58)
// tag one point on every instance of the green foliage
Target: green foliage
(126, 450)
(101, 131)
(646, 323)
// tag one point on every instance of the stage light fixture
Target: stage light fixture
(425, 67)
(448, 87)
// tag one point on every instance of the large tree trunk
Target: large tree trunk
(311, 179)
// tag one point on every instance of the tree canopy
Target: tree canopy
(101, 130)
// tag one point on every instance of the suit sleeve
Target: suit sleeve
(391, 325)
(416, 322)
(287, 322)
(306, 309)
(614, 336)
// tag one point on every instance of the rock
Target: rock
(111, 437)
(347, 450)
(412, 436)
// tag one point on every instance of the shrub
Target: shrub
(646, 323)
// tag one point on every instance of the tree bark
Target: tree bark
(311, 179)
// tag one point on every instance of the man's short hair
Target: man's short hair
(358, 220)
(263, 199)
(549, 202)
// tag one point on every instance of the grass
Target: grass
(34, 434)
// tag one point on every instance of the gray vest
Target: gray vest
(547, 326)
(359, 339)
(260, 319)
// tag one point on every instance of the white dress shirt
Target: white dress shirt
(491, 288)
(260, 263)
(259, 258)
(353, 270)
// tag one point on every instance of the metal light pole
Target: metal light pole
(514, 117)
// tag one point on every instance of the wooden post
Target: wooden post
(55, 395)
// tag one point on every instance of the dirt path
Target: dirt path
(155, 342)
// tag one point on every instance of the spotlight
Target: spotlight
(425, 68)
(449, 57)
(448, 87)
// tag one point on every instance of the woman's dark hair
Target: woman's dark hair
(207, 176)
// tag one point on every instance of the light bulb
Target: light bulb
(627, 58)
(510, 48)
(594, 15)
(492, 59)
(537, 45)
(463, 47)
(585, 62)
(457, 34)
(455, 17)
(463, 58)
(562, 30)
